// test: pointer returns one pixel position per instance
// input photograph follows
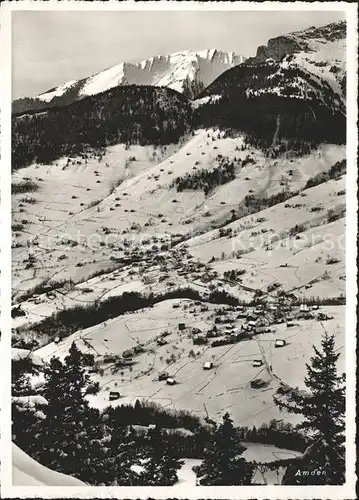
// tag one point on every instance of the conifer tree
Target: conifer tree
(323, 409)
(223, 464)
(70, 439)
(162, 465)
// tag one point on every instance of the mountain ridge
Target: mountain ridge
(188, 72)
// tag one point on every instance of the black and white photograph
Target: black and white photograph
(181, 201)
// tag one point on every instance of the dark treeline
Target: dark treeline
(130, 114)
(66, 322)
(26, 186)
(322, 301)
(276, 433)
(339, 168)
(254, 203)
(204, 179)
(146, 413)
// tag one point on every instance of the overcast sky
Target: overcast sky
(50, 48)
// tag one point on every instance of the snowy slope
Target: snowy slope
(28, 472)
(184, 71)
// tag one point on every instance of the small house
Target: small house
(171, 381)
(128, 353)
(175, 306)
(127, 362)
(181, 326)
(280, 343)
(208, 365)
(163, 376)
(257, 383)
(257, 363)
(57, 340)
(113, 395)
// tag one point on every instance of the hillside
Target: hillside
(132, 114)
(300, 108)
(189, 251)
(186, 72)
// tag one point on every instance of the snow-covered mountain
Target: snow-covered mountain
(186, 72)
(320, 51)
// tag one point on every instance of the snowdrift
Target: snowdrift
(28, 472)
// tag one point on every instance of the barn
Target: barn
(113, 395)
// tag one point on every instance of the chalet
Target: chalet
(251, 317)
(208, 365)
(113, 395)
(128, 353)
(280, 343)
(57, 340)
(108, 358)
(171, 381)
(127, 362)
(257, 383)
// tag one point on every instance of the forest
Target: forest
(132, 115)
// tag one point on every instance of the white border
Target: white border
(346, 491)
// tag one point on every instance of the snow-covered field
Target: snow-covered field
(141, 216)
(224, 388)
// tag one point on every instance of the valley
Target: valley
(181, 245)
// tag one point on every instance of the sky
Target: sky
(50, 48)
